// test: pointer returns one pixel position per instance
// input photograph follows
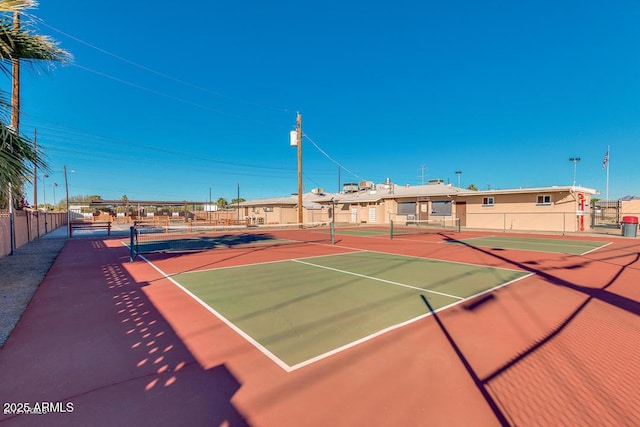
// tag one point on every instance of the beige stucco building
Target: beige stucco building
(545, 209)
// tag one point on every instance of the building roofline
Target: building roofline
(552, 189)
(400, 192)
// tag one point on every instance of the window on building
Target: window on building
(406, 208)
(441, 208)
(543, 199)
(487, 201)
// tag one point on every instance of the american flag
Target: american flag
(606, 160)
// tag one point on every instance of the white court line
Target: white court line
(479, 237)
(547, 242)
(426, 242)
(508, 240)
(287, 368)
(226, 321)
(595, 249)
(377, 279)
(426, 259)
(398, 326)
(272, 262)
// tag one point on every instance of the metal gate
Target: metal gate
(606, 213)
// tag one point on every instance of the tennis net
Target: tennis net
(424, 226)
(194, 238)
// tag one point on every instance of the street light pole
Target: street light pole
(575, 161)
(458, 173)
(44, 191)
(66, 190)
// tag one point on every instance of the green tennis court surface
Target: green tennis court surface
(573, 247)
(298, 310)
(365, 232)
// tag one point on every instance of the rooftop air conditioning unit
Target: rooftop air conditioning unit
(366, 185)
(350, 187)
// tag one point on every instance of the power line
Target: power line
(331, 158)
(88, 137)
(152, 71)
(153, 91)
(81, 151)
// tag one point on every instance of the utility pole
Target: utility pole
(299, 138)
(15, 123)
(15, 97)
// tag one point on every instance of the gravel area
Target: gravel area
(20, 276)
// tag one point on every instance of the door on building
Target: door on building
(354, 215)
(461, 212)
(373, 215)
(423, 210)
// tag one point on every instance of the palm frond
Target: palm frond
(25, 45)
(17, 157)
(5, 107)
(6, 41)
(13, 5)
(18, 154)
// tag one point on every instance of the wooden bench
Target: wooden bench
(90, 225)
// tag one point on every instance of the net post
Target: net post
(458, 225)
(132, 251)
(333, 233)
(391, 229)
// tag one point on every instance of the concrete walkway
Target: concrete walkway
(22, 272)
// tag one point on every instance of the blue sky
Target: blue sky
(167, 102)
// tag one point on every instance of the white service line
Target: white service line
(226, 321)
(377, 279)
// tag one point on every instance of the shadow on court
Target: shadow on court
(579, 387)
(476, 380)
(152, 243)
(91, 337)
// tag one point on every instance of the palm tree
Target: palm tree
(17, 153)
(222, 203)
